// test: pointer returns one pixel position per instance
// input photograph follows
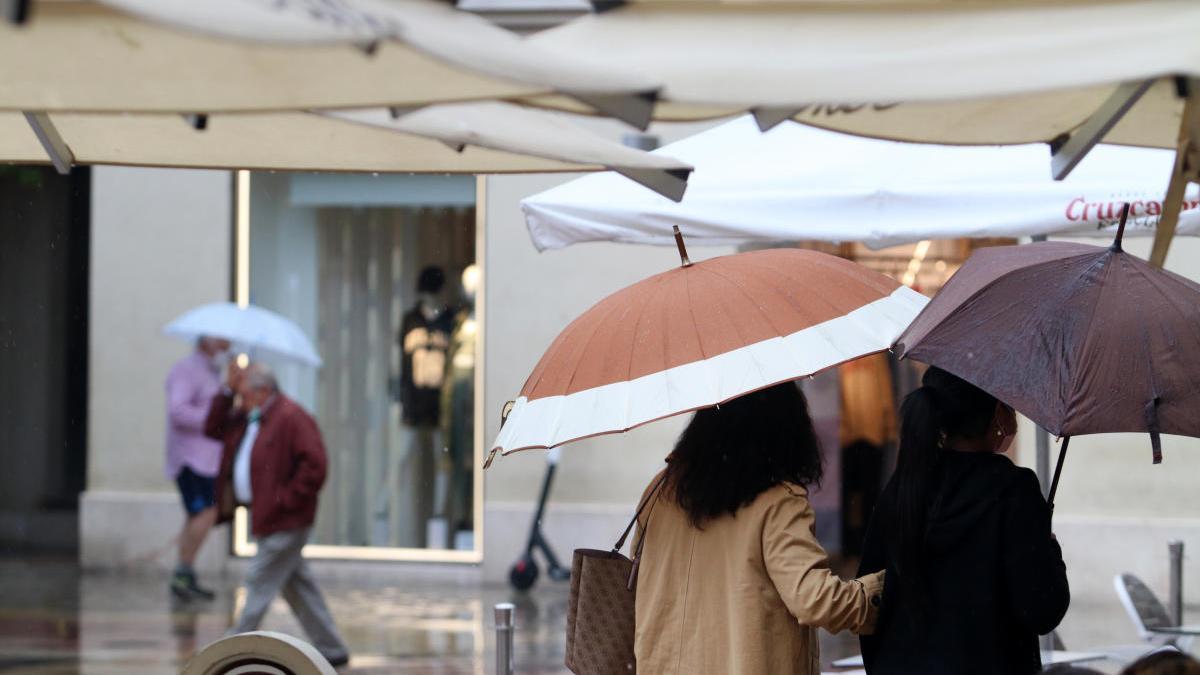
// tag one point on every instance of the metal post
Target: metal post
(1042, 437)
(504, 638)
(1043, 460)
(1175, 587)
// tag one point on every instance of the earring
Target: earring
(942, 440)
(999, 432)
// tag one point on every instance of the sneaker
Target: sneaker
(179, 588)
(184, 587)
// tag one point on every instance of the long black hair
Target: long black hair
(945, 406)
(730, 454)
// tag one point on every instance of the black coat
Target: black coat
(994, 578)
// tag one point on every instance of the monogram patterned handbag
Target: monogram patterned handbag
(600, 611)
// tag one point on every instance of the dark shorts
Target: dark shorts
(197, 491)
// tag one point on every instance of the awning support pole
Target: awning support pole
(1185, 170)
(52, 142)
(1064, 158)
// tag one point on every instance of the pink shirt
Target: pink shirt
(191, 386)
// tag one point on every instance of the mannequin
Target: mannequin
(424, 338)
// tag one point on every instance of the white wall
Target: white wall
(160, 245)
(283, 271)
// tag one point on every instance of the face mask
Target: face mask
(220, 360)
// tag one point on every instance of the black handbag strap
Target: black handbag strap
(641, 507)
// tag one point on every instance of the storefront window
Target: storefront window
(380, 272)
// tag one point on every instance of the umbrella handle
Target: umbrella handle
(1062, 455)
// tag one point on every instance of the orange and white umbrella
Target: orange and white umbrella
(703, 334)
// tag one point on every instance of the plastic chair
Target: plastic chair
(1147, 612)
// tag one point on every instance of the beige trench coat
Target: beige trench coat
(744, 595)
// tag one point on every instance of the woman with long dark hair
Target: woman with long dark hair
(732, 579)
(974, 574)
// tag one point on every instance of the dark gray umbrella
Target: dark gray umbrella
(1080, 339)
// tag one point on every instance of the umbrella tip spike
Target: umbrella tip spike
(683, 256)
(1116, 245)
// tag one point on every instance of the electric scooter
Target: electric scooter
(524, 573)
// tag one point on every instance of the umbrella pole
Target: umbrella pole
(683, 256)
(1062, 455)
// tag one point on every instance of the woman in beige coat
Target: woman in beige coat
(732, 580)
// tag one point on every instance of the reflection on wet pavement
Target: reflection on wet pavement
(56, 621)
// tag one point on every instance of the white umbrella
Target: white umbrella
(800, 183)
(251, 327)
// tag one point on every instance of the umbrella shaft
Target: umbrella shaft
(1062, 455)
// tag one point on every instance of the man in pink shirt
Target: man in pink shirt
(192, 458)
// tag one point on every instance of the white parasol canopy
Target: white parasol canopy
(797, 54)
(503, 138)
(435, 28)
(252, 328)
(800, 183)
(86, 58)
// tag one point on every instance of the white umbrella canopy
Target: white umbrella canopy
(432, 27)
(505, 126)
(251, 328)
(799, 183)
(792, 54)
(85, 57)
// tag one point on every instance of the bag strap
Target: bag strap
(638, 514)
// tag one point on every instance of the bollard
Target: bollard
(1175, 584)
(504, 638)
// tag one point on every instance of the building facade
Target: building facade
(165, 240)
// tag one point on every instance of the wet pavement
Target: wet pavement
(56, 621)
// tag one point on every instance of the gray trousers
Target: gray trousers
(279, 567)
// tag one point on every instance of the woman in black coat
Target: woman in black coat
(974, 574)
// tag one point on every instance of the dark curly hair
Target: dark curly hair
(730, 454)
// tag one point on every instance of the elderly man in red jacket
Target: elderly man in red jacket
(274, 463)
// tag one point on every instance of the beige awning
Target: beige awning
(947, 72)
(309, 142)
(82, 57)
(1005, 120)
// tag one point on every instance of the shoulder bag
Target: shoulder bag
(600, 611)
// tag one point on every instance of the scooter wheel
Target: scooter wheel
(524, 573)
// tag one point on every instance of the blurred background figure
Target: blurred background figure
(192, 457)
(274, 462)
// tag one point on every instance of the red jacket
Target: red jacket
(287, 463)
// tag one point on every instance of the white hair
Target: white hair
(259, 376)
